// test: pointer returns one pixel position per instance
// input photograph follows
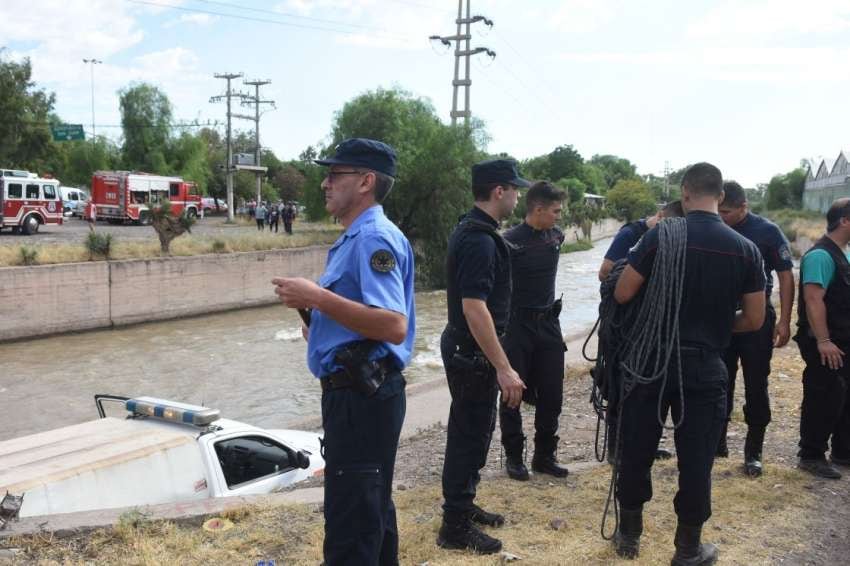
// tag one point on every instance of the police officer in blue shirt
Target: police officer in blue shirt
(360, 336)
(478, 297)
(755, 349)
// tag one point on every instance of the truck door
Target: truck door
(254, 464)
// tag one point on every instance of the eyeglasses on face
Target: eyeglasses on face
(332, 175)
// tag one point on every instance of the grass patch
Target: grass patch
(186, 245)
(754, 522)
(795, 223)
(577, 246)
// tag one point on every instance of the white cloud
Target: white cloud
(751, 64)
(193, 19)
(579, 16)
(773, 17)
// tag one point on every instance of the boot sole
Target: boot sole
(449, 545)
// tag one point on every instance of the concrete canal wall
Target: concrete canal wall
(48, 299)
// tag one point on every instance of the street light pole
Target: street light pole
(92, 62)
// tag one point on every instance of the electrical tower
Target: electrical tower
(256, 101)
(229, 94)
(464, 34)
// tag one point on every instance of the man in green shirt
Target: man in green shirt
(824, 339)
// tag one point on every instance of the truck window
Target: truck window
(49, 192)
(32, 191)
(248, 458)
(16, 190)
(174, 190)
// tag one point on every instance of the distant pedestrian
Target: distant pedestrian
(260, 216)
(288, 217)
(273, 218)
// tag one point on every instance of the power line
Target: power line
(287, 15)
(177, 125)
(255, 19)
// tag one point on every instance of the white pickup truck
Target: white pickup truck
(163, 451)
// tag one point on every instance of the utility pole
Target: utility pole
(667, 180)
(229, 167)
(463, 35)
(92, 63)
(256, 102)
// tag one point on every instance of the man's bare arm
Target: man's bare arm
(751, 317)
(605, 269)
(628, 285)
(782, 332)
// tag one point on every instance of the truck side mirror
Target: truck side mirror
(302, 460)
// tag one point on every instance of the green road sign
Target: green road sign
(68, 132)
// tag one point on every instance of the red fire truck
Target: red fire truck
(118, 196)
(27, 202)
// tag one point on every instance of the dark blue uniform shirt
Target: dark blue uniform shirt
(771, 242)
(625, 239)
(476, 268)
(720, 266)
(534, 260)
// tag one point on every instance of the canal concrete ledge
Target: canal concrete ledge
(50, 299)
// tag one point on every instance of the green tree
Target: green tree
(786, 191)
(189, 159)
(630, 199)
(614, 168)
(289, 182)
(564, 161)
(25, 140)
(432, 188)
(146, 116)
(593, 178)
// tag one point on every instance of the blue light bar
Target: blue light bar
(172, 411)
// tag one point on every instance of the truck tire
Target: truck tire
(192, 212)
(30, 225)
(145, 218)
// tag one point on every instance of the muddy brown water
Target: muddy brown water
(250, 364)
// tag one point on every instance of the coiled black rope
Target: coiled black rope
(638, 340)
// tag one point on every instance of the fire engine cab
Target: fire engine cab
(119, 196)
(27, 202)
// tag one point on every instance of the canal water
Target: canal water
(250, 364)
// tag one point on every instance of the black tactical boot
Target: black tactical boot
(689, 550)
(627, 538)
(819, 467)
(548, 465)
(722, 448)
(514, 461)
(483, 517)
(752, 451)
(463, 535)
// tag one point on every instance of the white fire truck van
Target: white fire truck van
(27, 202)
(162, 452)
(120, 196)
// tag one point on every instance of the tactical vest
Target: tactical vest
(499, 301)
(836, 299)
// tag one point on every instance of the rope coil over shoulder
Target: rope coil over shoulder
(637, 340)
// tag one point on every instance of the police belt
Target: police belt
(464, 339)
(533, 314)
(341, 379)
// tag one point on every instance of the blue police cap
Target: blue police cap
(501, 171)
(363, 152)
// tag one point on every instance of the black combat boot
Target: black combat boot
(458, 533)
(514, 464)
(752, 451)
(627, 538)
(483, 517)
(547, 464)
(689, 550)
(722, 448)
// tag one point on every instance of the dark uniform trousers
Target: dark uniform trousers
(472, 420)
(360, 444)
(704, 384)
(535, 349)
(755, 350)
(825, 411)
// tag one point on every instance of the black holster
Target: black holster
(366, 376)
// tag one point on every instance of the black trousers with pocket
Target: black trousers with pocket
(360, 444)
(704, 388)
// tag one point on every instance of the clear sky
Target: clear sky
(750, 85)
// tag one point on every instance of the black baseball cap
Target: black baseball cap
(363, 152)
(502, 171)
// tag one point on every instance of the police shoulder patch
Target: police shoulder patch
(784, 252)
(382, 261)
